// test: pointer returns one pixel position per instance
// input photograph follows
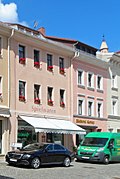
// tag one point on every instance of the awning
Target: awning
(53, 125)
(4, 112)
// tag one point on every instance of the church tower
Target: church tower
(104, 47)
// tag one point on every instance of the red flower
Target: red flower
(22, 60)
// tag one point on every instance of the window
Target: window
(81, 107)
(99, 82)
(49, 62)
(58, 147)
(114, 107)
(0, 46)
(50, 101)
(80, 77)
(90, 80)
(50, 147)
(37, 94)
(62, 100)
(61, 65)
(0, 86)
(22, 90)
(90, 108)
(21, 54)
(99, 109)
(36, 59)
(114, 81)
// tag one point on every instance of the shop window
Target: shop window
(22, 91)
(61, 65)
(62, 98)
(80, 77)
(37, 94)
(22, 54)
(36, 59)
(55, 138)
(50, 96)
(49, 63)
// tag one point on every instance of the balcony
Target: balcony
(37, 64)
(50, 68)
(37, 101)
(22, 98)
(22, 61)
(50, 102)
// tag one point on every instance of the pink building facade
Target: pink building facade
(90, 77)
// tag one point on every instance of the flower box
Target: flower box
(22, 60)
(22, 98)
(62, 71)
(50, 68)
(62, 104)
(37, 101)
(37, 64)
(50, 102)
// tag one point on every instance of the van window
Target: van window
(94, 141)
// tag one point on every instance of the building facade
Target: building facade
(35, 88)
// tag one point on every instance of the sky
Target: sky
(83, 20)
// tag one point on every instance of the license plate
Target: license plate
(85, 157)
(13, 160)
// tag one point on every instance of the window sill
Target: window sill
(81, 86)
(100, 90)
(114, 88)
(90, 88)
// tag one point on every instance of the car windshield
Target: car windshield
(94, 141)
(34, 146)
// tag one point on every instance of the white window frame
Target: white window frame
(1, 47)
(114, 81)
(101, 82)
(92, 80)
(82, 77)
(114, 107)
(1, 84)
(92, 108)
(83, 105)
(101, 109)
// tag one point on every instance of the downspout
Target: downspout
(12, 33)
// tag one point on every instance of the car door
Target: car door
(48, 155)
(59, 152)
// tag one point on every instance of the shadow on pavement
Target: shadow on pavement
(4, 177)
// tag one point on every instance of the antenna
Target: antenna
(35, 24)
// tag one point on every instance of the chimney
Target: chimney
(42, 30)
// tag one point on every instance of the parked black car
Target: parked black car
(37, 154)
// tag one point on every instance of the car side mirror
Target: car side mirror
(110, 146)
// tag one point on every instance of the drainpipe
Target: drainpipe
(12, 33)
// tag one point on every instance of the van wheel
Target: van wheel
(106, 160)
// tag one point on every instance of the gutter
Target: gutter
(12, 33)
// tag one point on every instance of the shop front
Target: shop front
(38, 129)
(89, 125)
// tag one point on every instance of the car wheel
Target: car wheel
(106, 160)
(66, 162)
(35, 163)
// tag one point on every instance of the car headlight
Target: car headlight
(100, 149)
(26, 156)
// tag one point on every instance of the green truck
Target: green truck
(100, 147)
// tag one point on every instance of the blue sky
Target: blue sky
(83, 20)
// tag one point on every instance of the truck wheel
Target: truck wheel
(106, 160)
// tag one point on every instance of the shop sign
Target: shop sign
(82, 121)
(43, 110)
